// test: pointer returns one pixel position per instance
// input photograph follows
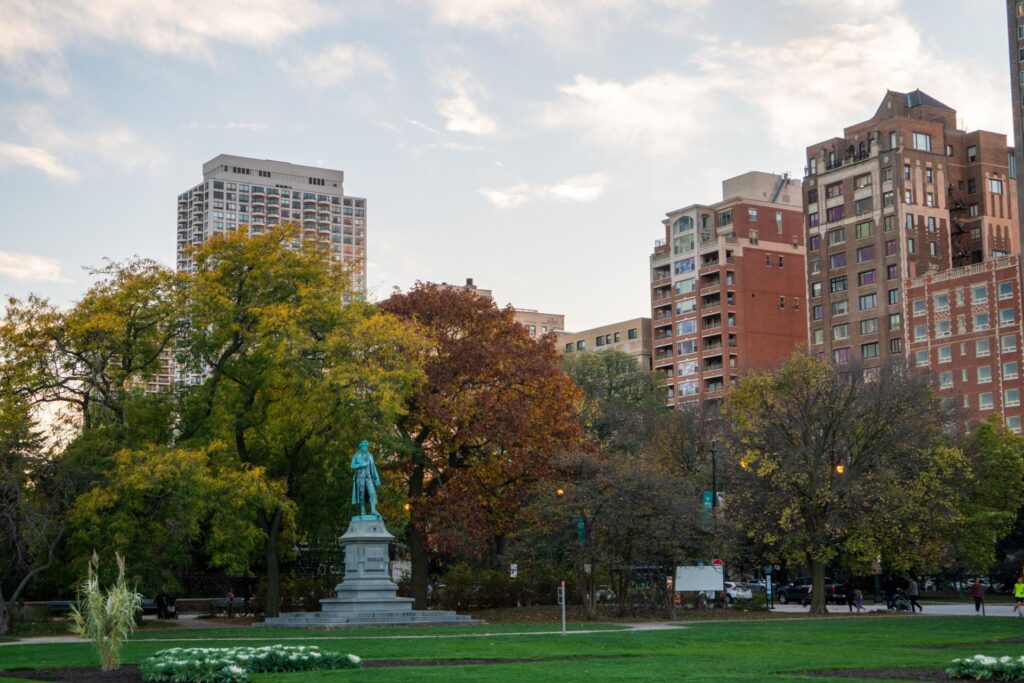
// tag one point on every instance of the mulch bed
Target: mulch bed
(884, 674)
(89, 674)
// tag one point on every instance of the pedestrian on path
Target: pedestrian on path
(1018, 595)
(848, 589)
(890, 593)
(858, 598)
(913, 592)
(978, 593)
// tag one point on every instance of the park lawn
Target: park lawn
(778, 650)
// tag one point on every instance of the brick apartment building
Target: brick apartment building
(536, 323)
(631, 336)
(728, 287)
(899, 196)
(964, 325)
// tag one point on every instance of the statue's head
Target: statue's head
(363, 445)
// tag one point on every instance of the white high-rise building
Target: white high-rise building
(239, 193)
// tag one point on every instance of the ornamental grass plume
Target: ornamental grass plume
(106, 619)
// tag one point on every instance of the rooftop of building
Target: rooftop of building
(758, 186)
(285, 167)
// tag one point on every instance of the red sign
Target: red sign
(717, 562)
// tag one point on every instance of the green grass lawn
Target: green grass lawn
(775, 650)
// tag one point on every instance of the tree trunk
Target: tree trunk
(273, 599)
(418, 543)
(5, 617)
(818, 602)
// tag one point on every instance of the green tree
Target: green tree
(816, 448)
(289, 375)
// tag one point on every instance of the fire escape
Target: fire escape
(959, 233)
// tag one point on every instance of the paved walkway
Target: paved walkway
(945, 609)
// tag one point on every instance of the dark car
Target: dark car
(799, 591)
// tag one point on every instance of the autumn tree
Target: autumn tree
(289, 374)
(494, 410)
(817, 448)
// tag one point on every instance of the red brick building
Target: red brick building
(964, 325)
(728, 290)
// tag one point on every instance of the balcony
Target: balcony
(663, 313)
(661, 295)
(713, 342)
(711, 301)
(664, 333)
(710, 281)
(710, 260)
(663, 354)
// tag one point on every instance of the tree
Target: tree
(32, 503)
(816, 448)
(289, 375)
(493, 411)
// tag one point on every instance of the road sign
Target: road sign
(513, 570)
(717, 563)
(708, 499)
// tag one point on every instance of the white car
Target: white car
(738, 591)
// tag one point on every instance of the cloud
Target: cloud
(578, 189)
(800, 89)
(35, 34)
(33, 157)
(461, 111)
(30, 268)
(230, 125)
(338, 63)
(454, 146)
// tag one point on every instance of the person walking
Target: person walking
(913, 592)
(858, 598)
(1018, 595)
(978, 593)
(229, 602)
(848, 588)
(890, 593)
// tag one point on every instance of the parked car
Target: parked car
(737, 591)
(799, 590)
(604, 594)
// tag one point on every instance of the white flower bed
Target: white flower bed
(234, 664)
(985, 668)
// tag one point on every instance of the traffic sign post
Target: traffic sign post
(561, 601)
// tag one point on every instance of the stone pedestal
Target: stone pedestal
(366, 596)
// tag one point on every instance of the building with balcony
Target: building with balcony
(251, 195)
(728, 287)
(900, 195)
(964, 327)
(1015, 41)
(631, 336)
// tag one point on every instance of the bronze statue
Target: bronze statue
(365, 480)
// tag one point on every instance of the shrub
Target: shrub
(234, 664)
(984, 668)
(106, 619)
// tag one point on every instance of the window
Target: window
(597, 342)
(685, 306)
(840, 332)
(688, 388)
(841, 307)
(685, 286)
(581, 345)
(979, 294)
(972, 186)
(835, 213)
(933, 249)
(1011, 398)
(887, 174)
(1010, 370)
(778, 222)
(818, 337)
(908, 196)
(929, 175)
(834, 190)
(895, 321)
(906, 171)
(945, 354)
(782, 302)
(920, 307)
(817, 312)
(946, 380)
(866, 277)
(781, 261)
(1008, 343)
(909, 221)
(686, 326)
(632, 333)
(724, 218)
(752, 215)
(890, 247)
(942, 301)
(910, 245)
(568, 347)
(892, 140)
(923, 142)
(869, 350)
(932, 226)
(814, 266)
(1006, 289)
(896, 345)
(982, 348)
(863, 205)
(687, 347)
(972, 153)
(814, 242)
(865, 253)
(837, 284)
(753, 237)
(1006, 317)
(981, 321)
(985, 400)
(887, 199)
(768, 260)
(868, 301)
(836, 236)
(892, 271)
(837, 260)
(869, 326)
(929, 199)
(842, 355)
(684, 266)
(815, 289)
(920, 332)
(942, 328)
(812, 166)
(995, 186)
(687, 368)
(618, 335)
(921, 357)
(865, 229)
(1013, 423)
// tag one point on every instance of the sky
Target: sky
(533, 145)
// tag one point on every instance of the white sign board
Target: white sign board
(699, 579)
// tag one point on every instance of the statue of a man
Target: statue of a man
(365, 480)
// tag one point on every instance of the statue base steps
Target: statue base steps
(367, 596)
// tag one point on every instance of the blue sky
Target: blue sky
(531, 144)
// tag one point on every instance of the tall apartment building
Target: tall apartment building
(1015, 40)
(728, 287)
(239, 193)
(631, 336)
(898, 196)
(965, 328)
